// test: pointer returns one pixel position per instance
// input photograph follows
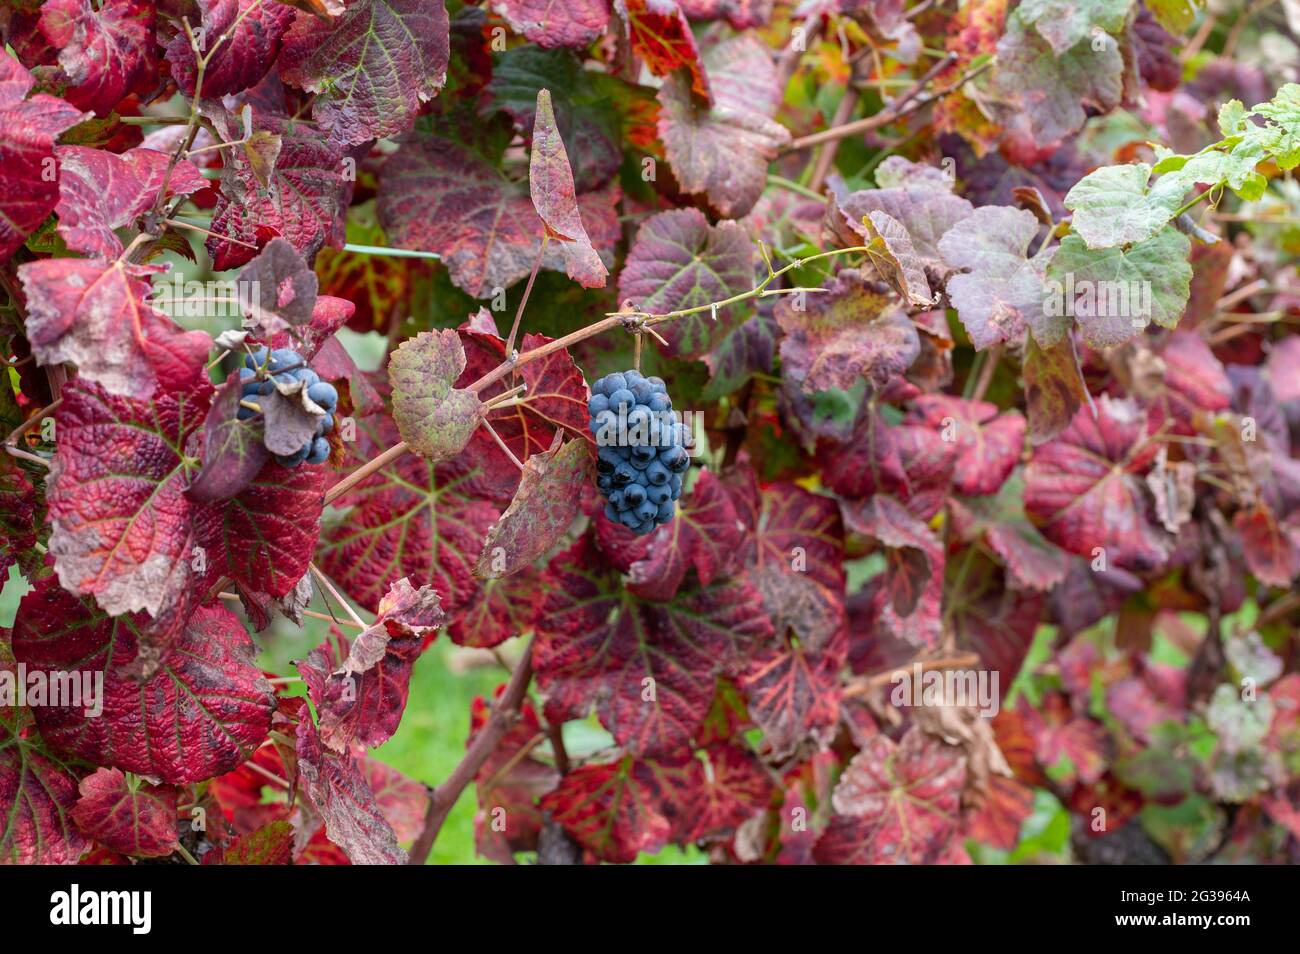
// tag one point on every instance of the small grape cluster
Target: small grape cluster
(258, 377)
(641, 449)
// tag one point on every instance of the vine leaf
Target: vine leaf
(277, 290)
(1035, 562)
(574, 23)
(371, 68)
(661, 36)
(128, 543)
(793, 551)
(1084, 488)
(1151, 281)
(336, 787)
(988, 443)
(894, 257)
(1002, 293)
(896, 803)
(203, 712)
(28, 193)
(247, 54)
(679, 261)
(591, 632)
(435, 418)
(132, 817)
(614, 810)
(545, 505)
(1050, 89)
(501, 607)
(833, 340)
(723, 152)
(39, 789)
(704, 536)
(550, 184)
(443, 197)
(300, 199)
(100, 192)
(106, 51)
(360, 691)
(233, 450)
(272, 844)
(1054, 388)
(412, 519)
(793, 694)
(95, 314)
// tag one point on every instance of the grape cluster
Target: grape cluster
(641, 449)
(258, 377)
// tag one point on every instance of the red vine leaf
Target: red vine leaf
(107, 51)
(793, 552)
(549, 24)
(613, 810)
(334, 785)
(246, 54)
(100, 192)
(550, 184)
(679, 261)
(29, 185)
(988, 443)
(95, 314)
(723, 152)
(591, 634)
(123, 529)
(412, 519)
(895, 803)
(264, 536)
(545, 505)
(500, 608)
(705, 536)
(299, 200)
(233, 451)
(793, 694)
(360, 691)
(271, 844)
(439, 196)
(371, 68)
(277, 290)
(1084, 489)
(204, 711)
(129, 816)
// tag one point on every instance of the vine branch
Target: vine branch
(443, 797)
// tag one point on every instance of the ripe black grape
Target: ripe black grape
(642, 450)
(258, 378)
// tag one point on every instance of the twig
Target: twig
(443, 798)
(986, 372)
(180, 224)
(885, 116)
(329, 587)
(500, 443)
(528, 290)
(235, 598)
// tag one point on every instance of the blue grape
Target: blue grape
(622, 398)
(597, 404)
(324, 394)
(320, 451)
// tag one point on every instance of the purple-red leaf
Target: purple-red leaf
(550, 184)
(107, 50)
(96, 314)
(203, 712)
(129, 816)
(371, 68)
